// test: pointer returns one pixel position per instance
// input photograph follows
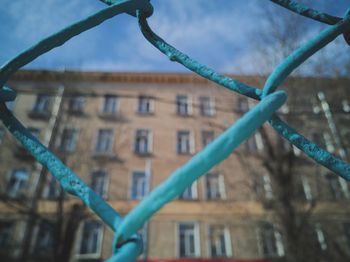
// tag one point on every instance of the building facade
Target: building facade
(125, 133)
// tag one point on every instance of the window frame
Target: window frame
(227, 240)
(106, 181)
(150, 106)
(110, 151)
(188, 104)
(197, 245)
(190, 142)
(194, 189)
(149, 142)
(207, 109)
(131, 189)
(98, 252)
(278, 241)
(106, 105)
(205, 132)
(76, 99)
(42, 109)
(21, 189)
(221, 186)
(62, 147)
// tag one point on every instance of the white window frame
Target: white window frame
(328, 142)
(96, 142)
(306, 188)
(221, 184)
(228, 242)
(149, 142)
(151, 105)
(131, 181)
(267, 185)
(36, 233)
(321, 239)
(18, 191)
(42, 108)
(197, 246)
(279, 245)
(103, 106)
(194, 190)
(50, 180)
(191, 142)
(210, 111)
(207, 132)
(104, 194)
(189, 105)
(99, 242)
(345, 105)
(77, 133)
(76, 103)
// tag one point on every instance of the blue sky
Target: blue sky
(218, 33)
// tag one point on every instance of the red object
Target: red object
(205, 260)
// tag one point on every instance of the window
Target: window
(188, 240)
(90, 244)
(284, 109)
(6, 232)
(44, 242)
(242, 105)
(184, 142)
(42, 104)
(52, 189)
(104, 141)
(17, 183)
(267, 187)
(190, 192)
(145, 105)
(219, 241)
(69, 140)
(110, 104)
(329, 143)
(99, 183)
(183, 105)
(34, 131)
(270, 241)
(316, 108)
(207, 137)
(320, 237)
(138, 186)
(214, 185)
(306, 188)
(334, 186)
(142, 141)
(76, 104)
(207, 106)
(345, 106)
(254, 143)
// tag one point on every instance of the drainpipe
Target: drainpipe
(148, 171)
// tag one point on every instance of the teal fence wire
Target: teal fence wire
(127, 244)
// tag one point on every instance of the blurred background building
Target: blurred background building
(125, 133)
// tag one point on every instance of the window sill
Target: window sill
(117, 117)
(43, 115)
(105, 156)
(145, 114)
(146, 154)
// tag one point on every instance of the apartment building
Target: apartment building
(125, 133)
